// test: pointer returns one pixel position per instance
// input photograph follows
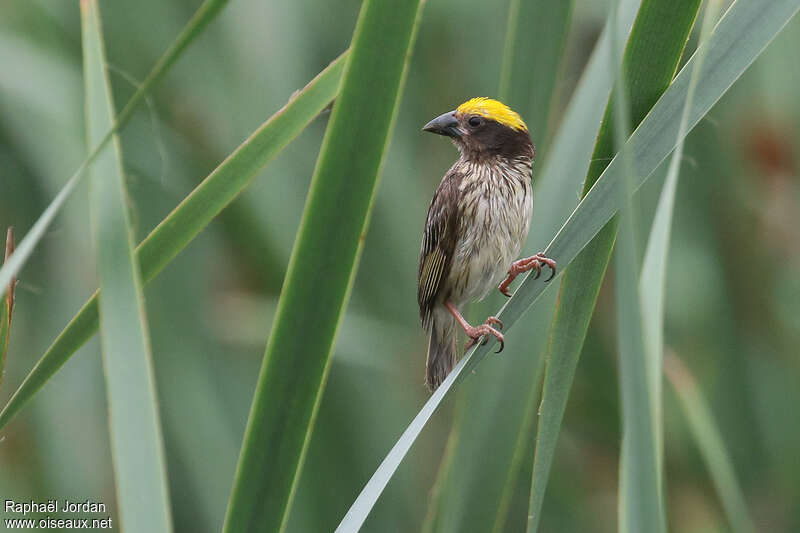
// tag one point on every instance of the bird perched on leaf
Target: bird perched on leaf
(477, 223)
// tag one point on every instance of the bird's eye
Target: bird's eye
(475, 121)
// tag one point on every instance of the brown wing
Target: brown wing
(438, 244)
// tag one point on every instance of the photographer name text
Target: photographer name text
(54, 506)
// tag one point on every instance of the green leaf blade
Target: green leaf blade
(640, 498)
(652, 280)
(186, 221)
(321, 268)
(650, 60)
(136, 442)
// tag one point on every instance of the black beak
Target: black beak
(446, 124)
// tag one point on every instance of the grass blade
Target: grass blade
(297, 357)
(136, 444)
(651, 58)
(641, 506)
(641, 501)
(565, 165)
(6, 307)
(207, 12)
(193, 214)
(564, 168)
(640, 498)
(727, 57)
(710, 443)
(653, 276)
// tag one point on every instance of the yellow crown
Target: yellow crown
(493, 110)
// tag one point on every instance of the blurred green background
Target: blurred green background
(733, 287)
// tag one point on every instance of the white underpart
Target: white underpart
(500, 198)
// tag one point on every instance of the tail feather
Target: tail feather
(442, 350)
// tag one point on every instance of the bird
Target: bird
(476, 225)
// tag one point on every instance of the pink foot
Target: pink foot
(476, 332)
(533, 262)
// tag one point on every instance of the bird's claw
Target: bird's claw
(484, 330)
(496, 321)
(534, 262)
(550, 263)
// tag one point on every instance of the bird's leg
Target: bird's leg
(476, 332)
(533, 262)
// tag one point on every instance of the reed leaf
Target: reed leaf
(321, 268)
(639, 300)
(649, 63)
(564, 167)
(640, 498)
(652, 279)
(137, 448)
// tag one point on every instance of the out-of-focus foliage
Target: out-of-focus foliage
(137, 447)
(732, 301)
